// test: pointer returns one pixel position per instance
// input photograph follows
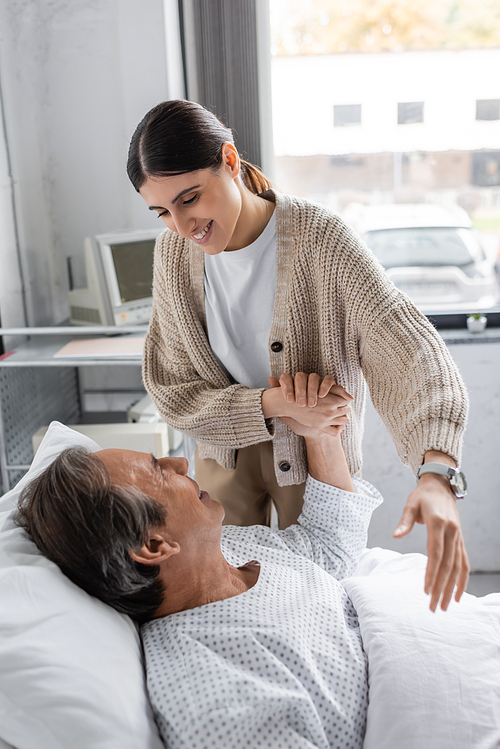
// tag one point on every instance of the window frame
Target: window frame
(458, 320)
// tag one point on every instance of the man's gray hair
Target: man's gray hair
(87, 526)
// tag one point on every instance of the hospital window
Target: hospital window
(414, 165)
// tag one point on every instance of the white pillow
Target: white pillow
(434, 679)
(71, 667)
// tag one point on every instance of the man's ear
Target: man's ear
(156, 550)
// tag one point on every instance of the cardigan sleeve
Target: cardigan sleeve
(181, 374)
(414, 383)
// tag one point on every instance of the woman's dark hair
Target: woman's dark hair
(181, 136)
(86, 525)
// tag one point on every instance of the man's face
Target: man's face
(191, 513)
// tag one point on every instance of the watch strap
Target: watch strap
(458, 482)
(440, 468)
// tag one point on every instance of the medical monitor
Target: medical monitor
(119, 269)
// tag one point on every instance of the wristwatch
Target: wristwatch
(458, 482)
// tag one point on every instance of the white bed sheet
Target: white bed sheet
(434, 679)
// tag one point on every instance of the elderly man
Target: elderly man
(249, 638)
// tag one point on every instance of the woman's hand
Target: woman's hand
(306, 389)
(433, 503)
(287, 400)
(325, 455)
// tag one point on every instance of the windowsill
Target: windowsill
(489, 335)
(455, 323)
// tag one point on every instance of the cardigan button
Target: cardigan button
(284, 466)
(277, 347)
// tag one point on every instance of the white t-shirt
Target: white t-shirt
(281, 665)
(240, 287)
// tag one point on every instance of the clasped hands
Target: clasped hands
(308, 404)
(311, 406)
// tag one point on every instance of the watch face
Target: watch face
(459, 483)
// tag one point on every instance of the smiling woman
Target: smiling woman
(253, 288)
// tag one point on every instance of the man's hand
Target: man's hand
(433, 503)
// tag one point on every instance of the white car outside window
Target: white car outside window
(431, 252)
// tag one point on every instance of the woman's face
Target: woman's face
(203, 206)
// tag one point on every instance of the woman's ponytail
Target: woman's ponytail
(254, 178)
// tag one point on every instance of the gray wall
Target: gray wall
(77, 76)
(479, 365)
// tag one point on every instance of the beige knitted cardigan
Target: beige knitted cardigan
(335, 312)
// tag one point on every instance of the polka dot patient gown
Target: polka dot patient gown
(281, 665)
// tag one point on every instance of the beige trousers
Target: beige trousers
(248, 492)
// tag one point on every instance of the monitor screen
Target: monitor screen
(133, 263)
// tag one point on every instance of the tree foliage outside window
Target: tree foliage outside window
(311, 27)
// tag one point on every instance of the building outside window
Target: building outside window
(488, 109)
(346, 114)
(410, 112)
(425, 147)
(486, 168)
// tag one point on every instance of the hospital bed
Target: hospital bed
(72, 676)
